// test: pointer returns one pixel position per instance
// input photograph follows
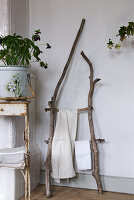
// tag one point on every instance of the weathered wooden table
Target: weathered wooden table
(20, 108)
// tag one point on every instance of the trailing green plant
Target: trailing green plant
(123, 33)
(16, 50)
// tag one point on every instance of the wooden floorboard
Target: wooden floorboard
(68, 193)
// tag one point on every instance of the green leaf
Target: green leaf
(48, 46)
(110, 44)
(14, 49)
(117, 46)
(43, 65)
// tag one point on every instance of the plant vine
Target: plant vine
(123, 33)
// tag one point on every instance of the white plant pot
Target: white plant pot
(13, 81)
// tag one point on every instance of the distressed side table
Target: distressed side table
(20, 108)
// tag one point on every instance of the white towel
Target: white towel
(20, 165)
(83, 154)
(12, 157)
(8, 134)
(63, 144)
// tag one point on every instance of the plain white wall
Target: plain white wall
(19, 17)
(59, 21)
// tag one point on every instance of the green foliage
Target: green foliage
(117, 46)
(16, 50)
(110, 44)
(123, 33)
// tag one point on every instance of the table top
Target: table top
(15, 102)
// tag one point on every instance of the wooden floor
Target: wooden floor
(66, 193)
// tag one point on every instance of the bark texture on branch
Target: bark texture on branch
(57, 110)
(52, 111)
(94, 148)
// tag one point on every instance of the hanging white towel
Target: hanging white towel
(63, 144)
(83, 154)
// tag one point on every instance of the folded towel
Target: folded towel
(20, 165)
(12, 156)
(63, 144)
(83, 154)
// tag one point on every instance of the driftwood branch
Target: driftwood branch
(79, 110)
(97, 140)
(100, 140)
(47, 141)
(91, 126)
(48, 159)
(52, 112)
(95, 81)
(69, 59)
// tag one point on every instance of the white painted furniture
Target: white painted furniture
(19, 109)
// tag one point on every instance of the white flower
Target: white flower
(17, 95)
(15, 86)
(16, 78)
(11, 87)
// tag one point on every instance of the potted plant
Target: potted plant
(123, 33)
(17, 53)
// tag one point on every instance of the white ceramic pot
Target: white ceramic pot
(13, 81)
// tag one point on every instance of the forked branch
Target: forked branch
(91, 125)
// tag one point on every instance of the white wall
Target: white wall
(59, 21)
(19, 17)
